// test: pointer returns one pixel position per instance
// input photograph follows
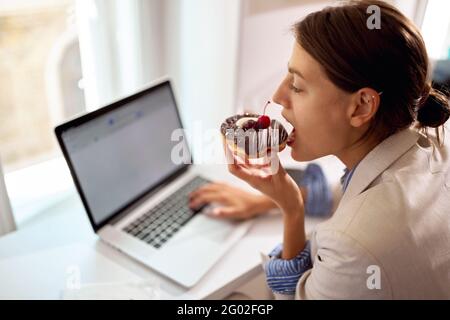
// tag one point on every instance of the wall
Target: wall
(265, 47)
(201, 56)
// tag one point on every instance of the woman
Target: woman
(364, 96)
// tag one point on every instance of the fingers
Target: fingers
(256, 166)
(215, 186)
(270, 167)
(242, 172)
(235, 164)
(206, 197)
(245, 170)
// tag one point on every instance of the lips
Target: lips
(291, 138)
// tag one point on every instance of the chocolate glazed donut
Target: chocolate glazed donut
(245, 140)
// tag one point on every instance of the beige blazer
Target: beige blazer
(389, 238)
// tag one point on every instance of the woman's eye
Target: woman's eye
(296, 90)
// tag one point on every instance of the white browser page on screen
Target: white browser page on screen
(123, 153)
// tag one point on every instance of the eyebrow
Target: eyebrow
(294, 71)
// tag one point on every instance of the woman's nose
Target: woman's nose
(280, 96)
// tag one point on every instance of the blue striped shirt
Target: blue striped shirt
(282, 275)
(345, 179)
(319, 201)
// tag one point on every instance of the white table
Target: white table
(38, 262)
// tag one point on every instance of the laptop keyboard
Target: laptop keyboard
(160, 223)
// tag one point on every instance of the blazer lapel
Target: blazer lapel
(378, 160)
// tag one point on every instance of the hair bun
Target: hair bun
(435, 111)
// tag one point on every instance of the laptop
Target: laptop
(136, 197)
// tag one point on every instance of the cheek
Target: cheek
(314, 120)
(319, 127)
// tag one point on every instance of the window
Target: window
(436, 29)
(39, 87)
(29, 38)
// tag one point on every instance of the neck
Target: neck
(356, 151)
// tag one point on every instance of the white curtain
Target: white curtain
(120, 43)
(7, 223)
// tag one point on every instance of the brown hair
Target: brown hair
(392, 60)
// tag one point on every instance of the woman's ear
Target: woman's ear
(365, 105)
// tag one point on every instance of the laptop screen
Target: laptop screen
(121, 154)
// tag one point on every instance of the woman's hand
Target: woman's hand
(235, 202)
(269, 178)
(273, 181)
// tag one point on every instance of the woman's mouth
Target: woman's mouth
(291, 138)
